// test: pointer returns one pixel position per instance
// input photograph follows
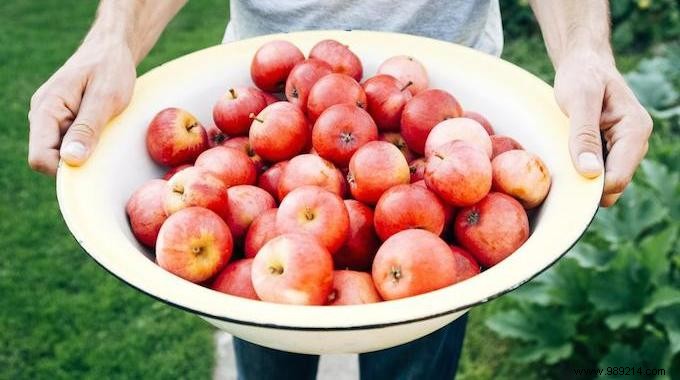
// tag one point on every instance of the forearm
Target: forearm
(570, 26)
(135, 23)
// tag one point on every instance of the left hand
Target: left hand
(592, 92)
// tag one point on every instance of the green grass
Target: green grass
(61, 315)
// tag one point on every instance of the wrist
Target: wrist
(587, 45)
(115, 27)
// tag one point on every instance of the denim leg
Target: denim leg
(255, 362)
(434, 356)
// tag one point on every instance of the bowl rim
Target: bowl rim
(66, 203)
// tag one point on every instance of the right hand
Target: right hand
(69, 111)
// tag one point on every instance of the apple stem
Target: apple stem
(192, 126)
(409, 84)
(232, 92)
(276, 269)
(253, 117)
(350, 177)
(395, 272)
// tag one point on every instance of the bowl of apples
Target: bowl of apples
(331, 191)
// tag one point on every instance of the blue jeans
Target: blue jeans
(434, 356)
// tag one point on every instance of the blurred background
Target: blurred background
(613, 300)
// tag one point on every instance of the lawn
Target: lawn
(61, 315)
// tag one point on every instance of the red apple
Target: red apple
(408, 206)
(302, 78)
(466, 265)
(245, 204)
(232, 166)
(261, 230)
(293, 269)
(279, 132)
(397, 140)
(242, 143)
(235, 279)
(407, 70)
(339, 57)
(413, 262)
(317, 212)
(196, 187)
(362, 243)
(340, 131)
(374, 168)
(423, 112)
(174, 170)
(449, 211)
(476, 116)
(309, 169)
(215, 136)
(492, 229)
(270, 98)
(459, 173)
(385, 100)
(269, 180)
(272, 63)
(522, 175)
(460, 128)
(417, 169)
(232, 111)
(352, 288)
(334, 89)
(194, 243)
(175, 137)
(500, 144)
(145, 211)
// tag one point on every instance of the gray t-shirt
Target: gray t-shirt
(474, 23)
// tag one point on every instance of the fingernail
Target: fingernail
(589, 163)
(75, 150)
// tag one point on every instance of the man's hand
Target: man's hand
(592, 92)
(94, 85)
(594, 95)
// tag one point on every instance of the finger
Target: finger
(609, 200)
(585, 143)
(623, 158)
(43, 140)
(82, 136)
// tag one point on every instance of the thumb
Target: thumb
(585, 143)
(82, 136)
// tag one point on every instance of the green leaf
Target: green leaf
(627, 320)
(513, 324)
(662, 297)
(653, 90)
(664, 182)
(621, 355)
(568, 284)
(654, 250)
(669, 317)
(546, 331)
(636, 211)
(547, 354)
(621, 288)
(532, 292)
(590, 257)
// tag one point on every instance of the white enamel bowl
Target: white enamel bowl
(92, 197)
